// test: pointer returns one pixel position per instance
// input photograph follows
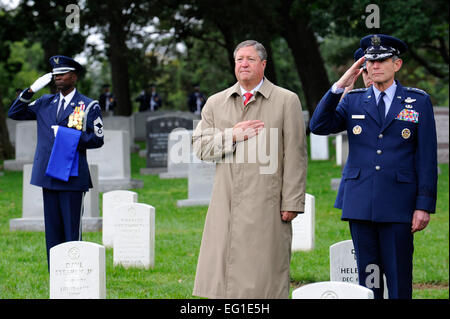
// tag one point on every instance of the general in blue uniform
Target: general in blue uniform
(68, 123)
(389, 182)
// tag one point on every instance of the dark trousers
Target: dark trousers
(384, 248)
(62, 216)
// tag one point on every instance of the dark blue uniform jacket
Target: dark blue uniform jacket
(391, 168)
(43, 110)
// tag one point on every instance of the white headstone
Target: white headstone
(303, 226)
(343, 262)
(113, 160)
(343, 266)
(441, 115)
(11, 125)
(33, 205)
(134, 236)
(200, 183)
(26, 140)
(178, 154)
(332, 290)
(121, 123)
(319, 147)
(341, 148)
(111, 200)
(77, 271)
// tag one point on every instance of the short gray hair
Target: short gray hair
(252, 43)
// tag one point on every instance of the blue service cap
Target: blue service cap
(63, 64)
(359, 53)
(381, 46)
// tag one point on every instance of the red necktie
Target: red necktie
(248, 96)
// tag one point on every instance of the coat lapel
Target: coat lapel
(49, 110)
(370, 106)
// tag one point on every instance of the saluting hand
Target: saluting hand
(351, 75)
(41, 82)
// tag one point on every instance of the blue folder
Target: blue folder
(63, 161)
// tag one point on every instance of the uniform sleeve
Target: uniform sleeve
(22, 109)
(295, 157)
(329, 116)
(92, 137)
(426, 160)
(209, 142)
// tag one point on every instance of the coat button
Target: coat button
(377, 167)
(379, 152)
(380, 136)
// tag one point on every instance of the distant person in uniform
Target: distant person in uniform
(196, 100)
(68, 123)
(149, 99)
(155, 99)
(389, 183)
(107, 100)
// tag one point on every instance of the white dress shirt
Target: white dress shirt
(67, 99)
(253, 91)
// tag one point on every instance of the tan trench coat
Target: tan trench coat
(246, 248)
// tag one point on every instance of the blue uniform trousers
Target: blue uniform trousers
(388, 246)
(62, 214)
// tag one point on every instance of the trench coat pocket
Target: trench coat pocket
(404, 176)
(351, 173)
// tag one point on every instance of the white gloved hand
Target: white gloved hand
(55, 129)
(41, 82)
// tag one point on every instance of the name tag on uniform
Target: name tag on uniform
(358, 116)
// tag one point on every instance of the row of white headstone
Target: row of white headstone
(77, 268)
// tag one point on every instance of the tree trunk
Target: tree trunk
(6, 148)
(308, 61)
(119, 68)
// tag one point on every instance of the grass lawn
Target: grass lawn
(23, 268)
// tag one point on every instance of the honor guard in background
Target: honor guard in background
(196, 100)
(389, 183)
(149, 99)
(68, 123)
(106, 100)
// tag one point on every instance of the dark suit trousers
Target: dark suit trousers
(62, 215)
(384, 248)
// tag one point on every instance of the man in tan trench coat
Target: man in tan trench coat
(259, 146)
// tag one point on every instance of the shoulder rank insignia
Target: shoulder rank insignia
(416, 90)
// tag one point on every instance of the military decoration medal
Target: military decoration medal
(76, 118)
